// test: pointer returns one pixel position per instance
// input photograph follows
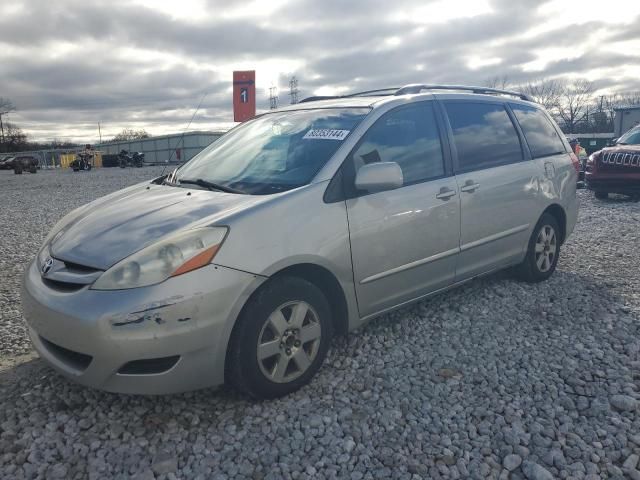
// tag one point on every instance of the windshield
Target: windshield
(632, 137)
(274, 152)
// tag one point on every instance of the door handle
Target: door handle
(470, 186)
(445, 193)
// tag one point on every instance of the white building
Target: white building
(175, 148)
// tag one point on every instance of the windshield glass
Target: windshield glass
(274, 152)
(632, 137)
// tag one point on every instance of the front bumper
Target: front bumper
(167, 338)
(625, 186)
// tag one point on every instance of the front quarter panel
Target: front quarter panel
(295, 228)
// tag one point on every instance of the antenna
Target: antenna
(293, 89)
(273, 97)
(182, 137)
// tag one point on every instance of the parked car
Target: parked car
(6, 162)
(302, 223)
(23, 163)
(616, 169)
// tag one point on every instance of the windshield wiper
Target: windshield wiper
(208, 185)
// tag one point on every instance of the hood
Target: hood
(116, 226)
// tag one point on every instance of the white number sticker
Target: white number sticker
(326, 134)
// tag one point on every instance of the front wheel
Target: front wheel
(543, 251)
(601, 195)
(281, 339)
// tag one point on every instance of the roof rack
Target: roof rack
(417, 88)
(380, 92)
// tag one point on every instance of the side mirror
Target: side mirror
(379, 176)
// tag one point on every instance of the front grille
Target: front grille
(622, 162)
(76, 267)
(76, 360)
(65, 287)
(149, 366)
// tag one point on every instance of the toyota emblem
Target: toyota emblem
(46, 266)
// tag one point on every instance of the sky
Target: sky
(68, 65)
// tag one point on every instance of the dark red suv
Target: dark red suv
(616, 169)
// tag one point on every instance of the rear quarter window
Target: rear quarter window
(539, 132)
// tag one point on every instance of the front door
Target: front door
(404, 242)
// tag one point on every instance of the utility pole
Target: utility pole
(293, 89)
(99, 132)
(273, 97)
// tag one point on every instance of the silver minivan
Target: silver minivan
(295, 226)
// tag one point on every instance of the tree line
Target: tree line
(14, 139)
(573, 104)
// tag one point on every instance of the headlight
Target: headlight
(173, 256)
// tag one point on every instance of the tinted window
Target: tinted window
(483, 135)
(632, 137)
(540, 134)
(408, 136)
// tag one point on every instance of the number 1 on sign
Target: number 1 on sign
(244, 95)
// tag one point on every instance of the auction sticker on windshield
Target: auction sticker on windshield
(326, 134)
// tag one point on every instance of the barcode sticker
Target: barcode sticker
(326, 134)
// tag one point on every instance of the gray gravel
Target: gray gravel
(497, 379)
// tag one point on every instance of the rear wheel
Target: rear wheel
(281, 339)
(542, 252)
(601, 195)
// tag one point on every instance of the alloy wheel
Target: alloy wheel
(546, 248)
(289, 341)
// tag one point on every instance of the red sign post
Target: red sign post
(244, 95)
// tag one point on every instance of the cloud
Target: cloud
(69, 64)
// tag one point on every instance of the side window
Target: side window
(483, 134)
(408, 136)
(540, 134)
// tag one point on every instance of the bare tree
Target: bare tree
(130, 134)
(500, 82)
(15, 138)
(544, 91)
(6, 106)
(574, 103)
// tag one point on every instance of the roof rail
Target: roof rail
(417, 88)
(378, 92)
(382, 92)
(319, 97)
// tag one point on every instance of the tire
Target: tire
(33, 170)
(266, 319)
(601, 195)
(17, 170)
(533, 268)
(89, 167)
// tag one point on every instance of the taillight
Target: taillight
(575, 161)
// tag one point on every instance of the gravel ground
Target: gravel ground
(497, 379)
